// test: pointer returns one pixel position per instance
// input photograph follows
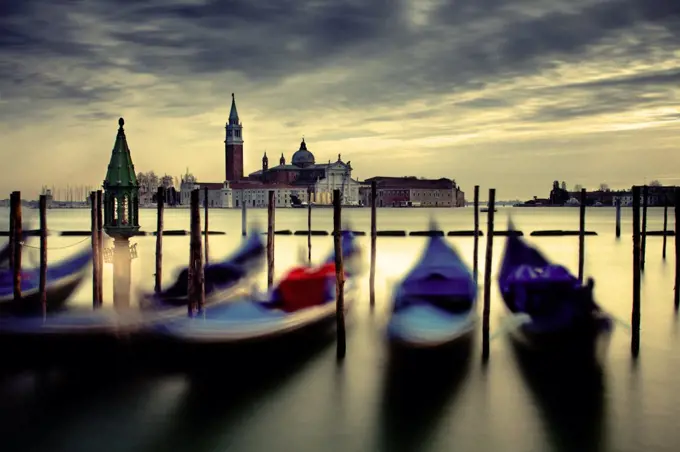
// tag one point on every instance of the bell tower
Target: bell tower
(233, 145)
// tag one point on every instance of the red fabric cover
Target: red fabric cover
(304, 287)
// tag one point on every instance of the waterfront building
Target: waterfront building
(657, 197)
(257, 195)
(233, 194)
(148, 188)
(413, 192)
(219, 193)
(304, 173)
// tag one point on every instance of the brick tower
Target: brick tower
(233, 145)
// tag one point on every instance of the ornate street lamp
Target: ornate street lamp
(121, 214)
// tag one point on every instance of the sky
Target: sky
(497, 93)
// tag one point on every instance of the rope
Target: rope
(56, 248)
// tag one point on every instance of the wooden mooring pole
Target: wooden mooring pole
(196, 281)
(475, 247)
(618, 218)
(160, 198)
(271, 212)
(339, 276)
(205, 222)
(100, 247)
(12, 241)
(309, 226)
(582, 235)
(244, 215)
(374, 236)
(16, 214)
(676, 198)
(95, 250)
(643, 244)
(665, 225)
(487, 274)
(635, 316)
(42, 204)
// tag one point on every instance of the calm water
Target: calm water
(362, 405)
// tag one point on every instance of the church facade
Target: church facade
(303, 172)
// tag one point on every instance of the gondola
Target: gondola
(552, 310)
(435, 304)
(221, 277)
(302, 302)
(7, 249)
(62, 279)
(241, 287)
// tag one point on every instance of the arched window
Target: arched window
(114, 210)
(135, 211)
(126, 211)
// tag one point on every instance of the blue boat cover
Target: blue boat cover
(221, 275)
(530, 284)
(30, 278)
(440, 278)
(350, 248)
(253, 248)
(6, 249)
(435, 303)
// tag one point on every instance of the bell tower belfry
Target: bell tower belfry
(233, 145)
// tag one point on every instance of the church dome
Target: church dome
(303, 157)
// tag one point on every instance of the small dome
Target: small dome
(303, 157)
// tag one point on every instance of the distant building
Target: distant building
(148, 188)
(49, 198)
(304, 173)
(559, 196)
(219, 193)
(233, 145)
(657, 197)
(228, 195)
(257, 195)
(413, 192)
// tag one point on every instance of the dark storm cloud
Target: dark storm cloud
(258, 37)
(466, 45)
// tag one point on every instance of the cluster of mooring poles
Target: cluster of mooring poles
(199, 251)
(641, 194)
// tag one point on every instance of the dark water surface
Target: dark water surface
(371, 402)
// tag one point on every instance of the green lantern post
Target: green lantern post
(121, 214)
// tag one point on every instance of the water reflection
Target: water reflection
(227, 385)
(569, 393)
(417, 387)
(60, 409)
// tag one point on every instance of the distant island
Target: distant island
(559, 196)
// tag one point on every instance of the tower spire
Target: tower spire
(233, 114)
(121, 171)
(265, 162)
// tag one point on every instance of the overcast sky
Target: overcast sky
(510, 94)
